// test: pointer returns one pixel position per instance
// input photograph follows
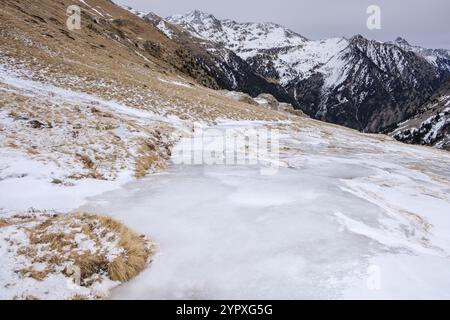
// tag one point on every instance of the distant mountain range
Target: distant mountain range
(359, 83)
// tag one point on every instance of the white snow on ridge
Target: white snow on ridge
(239, 37)
(433, 56)
(300, 62)
(294, 56)
(164, 29)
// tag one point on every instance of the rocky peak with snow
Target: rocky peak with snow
(401, 42)
(243, 38)
(440, 58)
(229, 70)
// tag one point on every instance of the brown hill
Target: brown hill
(115, 55)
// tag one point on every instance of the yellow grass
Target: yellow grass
(3, 223)
(136, 252)
(57, 248)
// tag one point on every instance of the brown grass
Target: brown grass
(3, 223)
(149, 157)
(36, 275)
(91, 264)
(87, 161)
(127, 75)
(79, 297)
(57, 248)
(136, 252)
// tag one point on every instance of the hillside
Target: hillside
(431, 125)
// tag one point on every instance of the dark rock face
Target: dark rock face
(233, 73)
(309, 92)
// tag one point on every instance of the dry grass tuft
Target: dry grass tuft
(91, 264)
(136, 252)
(98, 246)
(148, 159)
(3, 223)
(79, 297)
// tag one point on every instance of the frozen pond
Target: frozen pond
(227, 232)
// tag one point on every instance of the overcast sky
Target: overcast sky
(422, 22)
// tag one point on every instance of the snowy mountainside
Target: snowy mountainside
(246, 39)
(431, 125)
(229, 70)
(354, 82)
(438, 57)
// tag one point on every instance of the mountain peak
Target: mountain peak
(153, 16)
(249, 36)
(401, 41)
(357, 37)
(195, 16)
(359, 40)
(199, 13)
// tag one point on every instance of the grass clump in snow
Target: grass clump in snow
(3, 223)
(147, 160)
(134, 257)
(95, 252)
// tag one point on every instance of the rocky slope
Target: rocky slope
(229, 70)
(355, 82)
(431, 125)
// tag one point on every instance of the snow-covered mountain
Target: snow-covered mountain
(438, 57)
(229, 70)
(246, 39)
(359, 83)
